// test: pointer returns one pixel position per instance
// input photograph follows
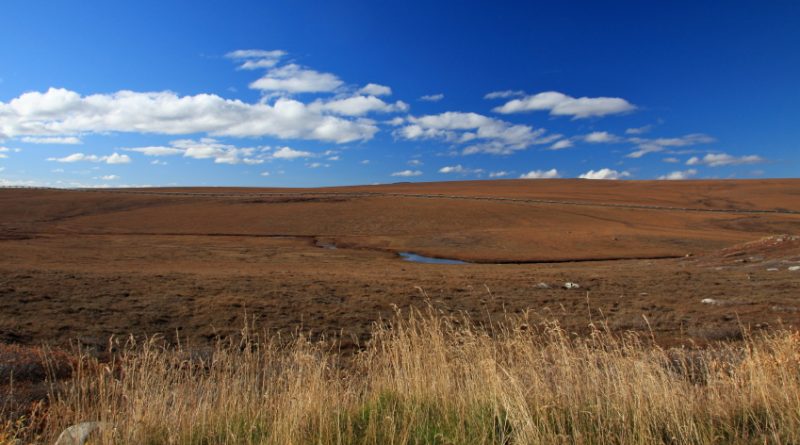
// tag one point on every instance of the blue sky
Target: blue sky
(312, 93)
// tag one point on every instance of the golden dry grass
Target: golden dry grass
(426, 378)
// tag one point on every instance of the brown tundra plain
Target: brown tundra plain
(94, 278)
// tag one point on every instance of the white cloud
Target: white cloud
(373, 89)
(364, 162)
(432, 97)
(357, 106)
(679, 175)
(59, 112)
(63, 140)
(560, 104)
(562, 144)
(646, 146)
(317, 165)
(115, 158)
(206, 148)
(499, 174)
(264, 173)
(604, 173)
(407, 173)
(484, 134)
(2, 169)
(414, 162)
(600, 137)
(109, 177)
(723, 159)
(460, 169)
(504, 94)
(290, 153)
(334, 158)
(252, 59)
(158, 162)
(671, 160)
(541, 174)
(258, 58)
(157, 151)
(293, 78)
(639, 130)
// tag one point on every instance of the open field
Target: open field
(196, 262)
(681, 263)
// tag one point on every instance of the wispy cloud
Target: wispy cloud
(482, 134)
(646, 146)
(505, 94)
(55, 140)
(639, 130)
(432, 97)
(723, 159)
(115, 158)
(407, 173)
(207, 148)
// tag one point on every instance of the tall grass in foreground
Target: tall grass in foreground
(426, 378)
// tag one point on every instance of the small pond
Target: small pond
(413, 257)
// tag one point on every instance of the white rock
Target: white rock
(709, 301)
(772, 269)
(543, 286)
(570, 285)
(794, 268)
(78, 434)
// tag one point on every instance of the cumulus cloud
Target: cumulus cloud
(482, 133)
(600, 137)
(723, 159)
(460, 169)
(432, 97)
(373, 89)
(679, 175)
(504, 94)
(293, 78)
(290, 153)
(59, 112)
(114, 158)
(604, 173)
(55, 140)
(559, 104)
(541, 174)
(407, 173)
(646, 146)
(562, 144)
